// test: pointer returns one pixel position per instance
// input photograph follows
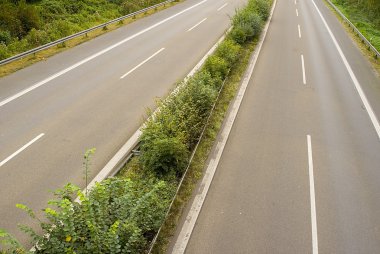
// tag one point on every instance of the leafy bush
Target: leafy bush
(228, 50)
(262, 7)
(129, 7)
(118, 216)
(28, 16)
(4, 53)
(161, 153)
(247, 24)
(5, 37)
(216, 66)
(37, 37)
(238, 35)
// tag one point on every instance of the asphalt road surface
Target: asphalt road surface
(94, 95)
(300, 172)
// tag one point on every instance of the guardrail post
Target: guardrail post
(105, 28)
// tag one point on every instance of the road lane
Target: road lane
(90, 106)
(261, 198)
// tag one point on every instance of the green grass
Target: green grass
(361, 18)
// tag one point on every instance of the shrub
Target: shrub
(247, 24)
(229, 51)
(164, 155)
(28, 16)
(201, 92)
(238, 35)
(4, 53)
(37, 37)
(129, 7)
(118, 216)
(262, 7)
(5, 37)
(216, 66)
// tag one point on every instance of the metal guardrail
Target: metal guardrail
(62, 40)
(362, 37)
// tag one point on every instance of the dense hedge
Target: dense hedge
(28, 24)
(122, 215)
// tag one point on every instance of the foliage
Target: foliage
(217, 66)
(365, 15)
(262, 7)
(28, 24)
(247, 24)
(86, 164)
(164, 155)
(369, 9)
(118, 216)
(8, 244)
(229, 50)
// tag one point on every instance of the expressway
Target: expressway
(94, 95)
(300, 170)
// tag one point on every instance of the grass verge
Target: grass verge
(14, 66)
(367, 29)
(204, 149)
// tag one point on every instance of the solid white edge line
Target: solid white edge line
(188, 226)
(200, 22)
(21, 149)
(313, 211)
(221, 7)
(303, 70)
(143, 62)
(56, 75)
(297, 12)
(358, 87)
(299, 31)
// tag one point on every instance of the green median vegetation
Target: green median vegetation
(365, 15)
(124, 213)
